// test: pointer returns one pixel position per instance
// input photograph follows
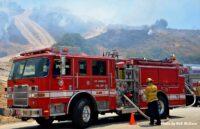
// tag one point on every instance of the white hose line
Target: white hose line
(148, 118)
(193, 94)
(140, 111)
(137, 108)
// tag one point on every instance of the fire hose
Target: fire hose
(193, 94)
(147, 117)
(137, 108)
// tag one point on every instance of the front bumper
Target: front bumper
(18, 112)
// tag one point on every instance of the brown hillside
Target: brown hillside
(157, 44)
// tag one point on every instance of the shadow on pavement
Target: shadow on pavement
(146, 124)
(116, 120)
(60, 125)
(102, 122)
(175, 117)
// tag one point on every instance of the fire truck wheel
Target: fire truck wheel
(82, 114)
(163, 106)
(44, 122)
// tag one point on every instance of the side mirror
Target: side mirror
(62, 67)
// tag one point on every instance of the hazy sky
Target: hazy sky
(183, 14)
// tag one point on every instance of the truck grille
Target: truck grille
(21, 95)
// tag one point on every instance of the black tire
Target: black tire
(163, 106)
(44, 122)
(77, 115)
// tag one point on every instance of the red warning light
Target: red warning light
(65, 50)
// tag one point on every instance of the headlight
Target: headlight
(33, 95)
(8, 96)
(8, 89)
(9, 92)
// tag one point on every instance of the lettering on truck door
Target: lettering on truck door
(100, 83)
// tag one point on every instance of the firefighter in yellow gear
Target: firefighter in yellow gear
(198, 94)
(198, 89)
(152, 100)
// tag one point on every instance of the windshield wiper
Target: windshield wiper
(23, 69)
(13, 77)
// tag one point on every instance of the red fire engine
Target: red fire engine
(50, 84)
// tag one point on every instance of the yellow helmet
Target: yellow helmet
(149, 80)
(173, 57)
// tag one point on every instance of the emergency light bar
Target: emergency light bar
(35, 52)
(46, 50)
(60, 50)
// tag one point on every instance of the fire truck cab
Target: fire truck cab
(50, 84)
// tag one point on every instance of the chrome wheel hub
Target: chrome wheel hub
(161, 107)
(86, 113)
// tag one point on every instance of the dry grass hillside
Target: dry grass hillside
(4, 70)
(153, 43)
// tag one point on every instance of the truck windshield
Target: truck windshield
(35, 67)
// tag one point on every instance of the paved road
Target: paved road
(182, 118)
